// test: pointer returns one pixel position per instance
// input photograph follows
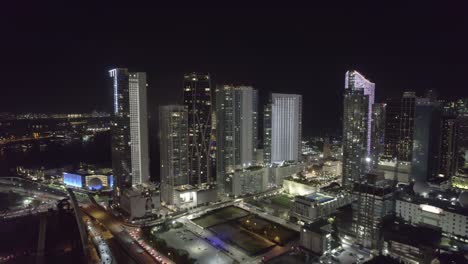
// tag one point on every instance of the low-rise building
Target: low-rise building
(316, 237)
(87, 180)
(310, 208)
(393, 170)
(294, 187)
(188, 196)
(248, 181)
(140, 202)
(277, 173)
(439, 211)
(410, 244)
(332, 167)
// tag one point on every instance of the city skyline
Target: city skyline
(307, 59)
(152, 134)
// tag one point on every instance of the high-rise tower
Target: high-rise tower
(284, 128)
(197, 98)
(426, 148)
(173, 127)
(129, 130)
(357, 118)
(237, 128)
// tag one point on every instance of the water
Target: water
(48, 154)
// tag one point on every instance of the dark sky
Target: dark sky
(56, 57)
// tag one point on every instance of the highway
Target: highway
(101, 245)
(128, 243)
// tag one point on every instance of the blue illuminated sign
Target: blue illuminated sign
(74, 180)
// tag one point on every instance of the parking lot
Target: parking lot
(345, 254)
(198, 248)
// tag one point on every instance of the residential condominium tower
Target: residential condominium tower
(237, 128)
(283, 128)
(197, 99)
(357, 119)
(426, 148)
(173, 135)
(129, 130)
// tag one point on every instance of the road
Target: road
(130, 245)
(100, 244)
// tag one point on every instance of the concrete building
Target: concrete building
(236, 111)
(442, 211)
(141, 202)
(278, 172)
(332, 167)
(309, 208)
(410, 244)
(357, 118)
(173, 127)
(247, 181)
(197, 99)
(395, 170)
(294, 187)
(374, 201)
(129, 131)
(283, 128)
(316, 237)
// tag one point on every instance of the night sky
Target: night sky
(55, 58)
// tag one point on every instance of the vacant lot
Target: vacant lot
(220, 216)
(281, 200)
(267, 229)
(248, 241)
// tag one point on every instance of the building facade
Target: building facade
(284, 129)
(309, 208)
(237, 129)
(197, 99)
(373, 201)
(378, 133)
(451, 220)
(426, 149)
(173, 125)
(129, 130)
(406, 131)
(357, 118)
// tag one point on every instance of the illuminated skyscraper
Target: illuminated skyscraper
(399, 128)
(129, 129)
(406, 135)
(283, 128)
(236, 110)
(357, 118)
(378, 133)
(173, 135)
(197, 98)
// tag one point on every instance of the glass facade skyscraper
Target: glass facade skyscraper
(357, 118)
(426, 149)
(129, 130)
(197, 99)
(237, 128)
(173, 127)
